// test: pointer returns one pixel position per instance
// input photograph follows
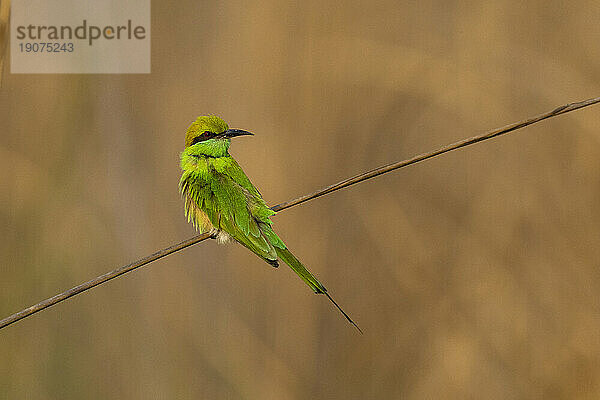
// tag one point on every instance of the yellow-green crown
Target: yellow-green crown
(210, 123)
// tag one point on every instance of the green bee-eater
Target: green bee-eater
(220, 199)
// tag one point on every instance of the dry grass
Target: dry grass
(4, 20)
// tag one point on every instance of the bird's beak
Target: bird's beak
(229, 133)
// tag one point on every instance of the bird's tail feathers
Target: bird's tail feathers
(299, 269)
(310, 279)
(343, 312)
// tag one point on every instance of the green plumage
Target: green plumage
(219, 198)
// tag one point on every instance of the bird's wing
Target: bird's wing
(260, 213)
(242, 211)
(194, 192)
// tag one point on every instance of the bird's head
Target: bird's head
(210, 130)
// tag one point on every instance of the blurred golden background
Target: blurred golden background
(473, 275)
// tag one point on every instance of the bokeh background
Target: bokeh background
(473, 275)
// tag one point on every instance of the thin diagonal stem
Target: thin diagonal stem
(4, 19)
(279, 207)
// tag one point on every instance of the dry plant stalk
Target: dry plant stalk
(329, 189)
(4, 20)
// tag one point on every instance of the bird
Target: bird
(219, 199)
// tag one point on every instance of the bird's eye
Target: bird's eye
(204, 136)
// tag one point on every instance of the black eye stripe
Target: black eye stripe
(198, 139)
(204, 136)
